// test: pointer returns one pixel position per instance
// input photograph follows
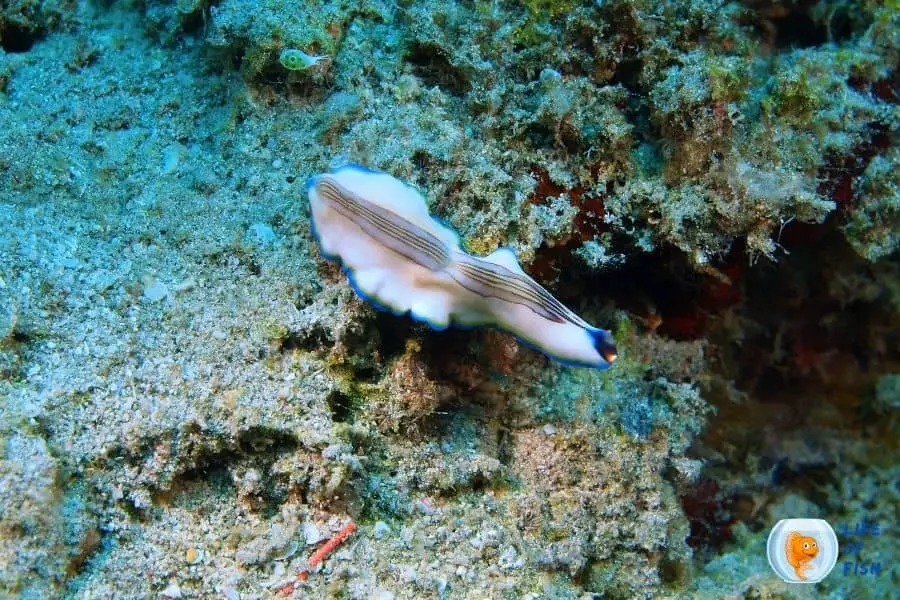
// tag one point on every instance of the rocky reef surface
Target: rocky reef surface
(192, 401)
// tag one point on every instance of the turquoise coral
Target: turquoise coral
(716, 177)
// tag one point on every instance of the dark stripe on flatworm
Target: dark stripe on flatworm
(385, 227)
(490, 280)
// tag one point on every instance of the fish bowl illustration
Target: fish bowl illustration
(802, 550)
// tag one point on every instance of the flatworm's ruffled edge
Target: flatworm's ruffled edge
(351, 275)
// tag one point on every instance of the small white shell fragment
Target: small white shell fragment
(184, 286)
(172, 591)
(261, 234)
(156, 291)
(231, 594)
(380, 530)
(171, 158)
(312, 534)
(424, 506)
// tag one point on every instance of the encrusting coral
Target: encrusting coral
(194, 402)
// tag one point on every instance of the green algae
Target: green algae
(874, 225)
(607, 130)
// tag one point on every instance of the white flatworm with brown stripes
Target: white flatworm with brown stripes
(401, 259)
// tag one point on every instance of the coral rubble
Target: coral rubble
(192, 402)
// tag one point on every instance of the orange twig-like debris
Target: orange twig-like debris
(325, 550)
(330, 545)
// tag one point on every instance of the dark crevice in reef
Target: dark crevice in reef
(663, 284)
(424, 161)
(433, 66)
(194, 22)
(206, 460)
(212, 471)
(628, 74)
(20, 337)
(262, 441)
(795, 28)
(636, 108)
(392, 334)
(309, 339)
(802, 24)
(722, 497)
(340, 405)
(805, 481)
(802, 350)
(15, 39)
(376, 344)
(814, 309)
(795, 346)
(257, 448)
(311, 92)
(710, 513)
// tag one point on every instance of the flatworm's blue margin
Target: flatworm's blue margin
(436, 327)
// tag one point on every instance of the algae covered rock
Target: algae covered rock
(48, 531)
(23, 22)
(193, 402)
(256, 38)
(873, 227)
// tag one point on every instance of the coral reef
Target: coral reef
(47, 525)
(23, 22)
(873, 224)
(192, 402)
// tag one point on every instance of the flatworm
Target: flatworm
(401, 259)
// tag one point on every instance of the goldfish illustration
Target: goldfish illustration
(800, 550)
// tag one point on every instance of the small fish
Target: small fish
(401, 259)
(799, 551)
(298, 60)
